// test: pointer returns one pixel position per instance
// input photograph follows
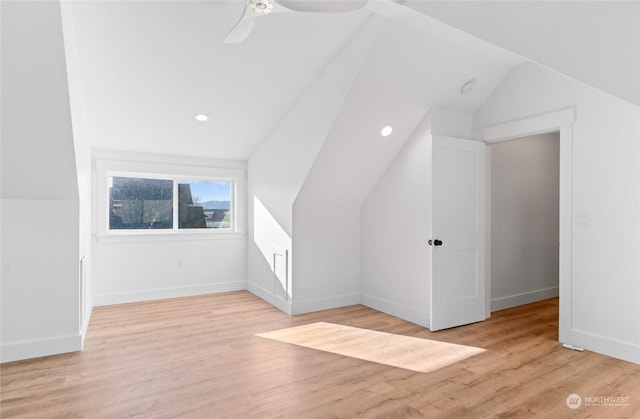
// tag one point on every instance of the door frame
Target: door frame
(558, 121)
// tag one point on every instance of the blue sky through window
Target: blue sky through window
(209, 190)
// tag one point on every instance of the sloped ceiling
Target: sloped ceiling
(147, 67)
(595, 42)
(398, 86)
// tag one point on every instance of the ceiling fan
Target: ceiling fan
(255, 8)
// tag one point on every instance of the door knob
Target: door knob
(430, 242)
(437, 242)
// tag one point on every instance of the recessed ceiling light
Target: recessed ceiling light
(468, 87)
(386, 130)
(201, 117)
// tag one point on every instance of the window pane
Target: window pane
(204, 204)
(136, 203)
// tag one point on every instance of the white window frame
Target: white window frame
(145, 170)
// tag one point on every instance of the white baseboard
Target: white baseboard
(515, 300)
(325, 303)
(410, 314)
(162, 293)
(269, 297)
(42, 347)
(611, 347)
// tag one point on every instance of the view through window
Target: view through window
(141, 203)
(204, 204)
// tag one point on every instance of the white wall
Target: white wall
(138, 271)
(396, 224)
(605, 289)
(524, 220)
(278, 168)
(40, 210)
(327, 249)
(395, 260)
(137, 267)
(354, 156)
(449, 123)
(82, 147)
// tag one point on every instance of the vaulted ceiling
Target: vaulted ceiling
(594, 42)
(147, 68)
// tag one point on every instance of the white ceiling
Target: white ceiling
(595, 42)
(147, 67)
(415, 65)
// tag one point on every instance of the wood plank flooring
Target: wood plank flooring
(408, 352)
(199, 357)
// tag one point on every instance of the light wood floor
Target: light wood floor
(198, 357)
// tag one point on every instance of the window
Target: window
(141, 203)
(151, 198)
(204, 204)
(136, 203)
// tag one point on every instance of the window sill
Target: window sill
(165, 236)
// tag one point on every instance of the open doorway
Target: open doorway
(525, 222)
(561, 121)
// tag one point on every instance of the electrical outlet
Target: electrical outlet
(583, 220)
(180, 262)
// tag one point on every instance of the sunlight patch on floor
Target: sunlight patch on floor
(411, 353)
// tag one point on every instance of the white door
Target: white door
(458, 228)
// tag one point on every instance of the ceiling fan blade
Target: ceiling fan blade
(242, 29)
(240, 32)
(252, 9)
(323, 6)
